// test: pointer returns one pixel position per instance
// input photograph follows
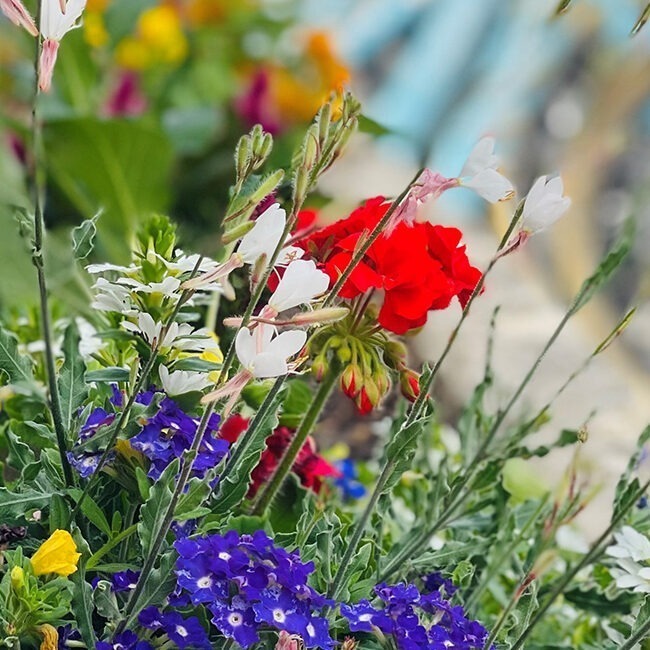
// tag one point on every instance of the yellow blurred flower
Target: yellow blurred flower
(57, 554)
(50, 637)
(124, 449)
(213, 355)
(298, 96)
(94, 29)
(158, 39)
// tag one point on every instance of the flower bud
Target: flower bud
(368, 397)
(351, 380)
(395, 352)
(310, 148)
(268, 185)
(409, 383)
(349, 643)
(17, 578)
(326, 315)
(344, 353)
(50, 637)
(383, 382)
(319, 367)
(237, 232)
(242, 156)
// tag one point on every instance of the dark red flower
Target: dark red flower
(419, 267)
(310, 467)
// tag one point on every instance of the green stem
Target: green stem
(39, 262)
(502, 619)
(267, 494)
(588, 558)
(639, 635)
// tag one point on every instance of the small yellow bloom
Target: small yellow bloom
(213, 355)
(57, 554)
(94, 29)
(50, 637)
(124, 449)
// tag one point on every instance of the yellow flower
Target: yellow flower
(94, 29)
(50, 637)
(213, 355)
(57, 554)
(124, 449)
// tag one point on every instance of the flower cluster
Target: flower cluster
(249, 584)
(417, 619)
(167, 435)
(419, 267)
(182, 632)
(310, 467)
(632, 555)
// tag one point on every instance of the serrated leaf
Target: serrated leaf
(14, 505)
(158, 584)
(34, 434)
(19, 454)
(153, 511)
(71, 382)
(105, 601)
(92, 511)
(17, 367)
(401, 450)
(83, 238)
(111, 374)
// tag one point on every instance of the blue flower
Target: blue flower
(236, 621)
(126, 640)
(124, 580)
(184, 632)
(348, 481)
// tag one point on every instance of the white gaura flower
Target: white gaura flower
(632, 555)
(480, 173)
(89, 342)
(260, 242)
(263, 353)
(93, 269)
(180, 382)
(18, 15)
(58, 17)
(168, 287)
(301, 283)
(544, 204)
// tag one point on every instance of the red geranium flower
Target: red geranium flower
(419, 267)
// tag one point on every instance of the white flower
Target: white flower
(632, 552)
(181, 336)
(112, 297)
(89, 342)
(18, 15)
(300, 284)
(480, 173)
(102, 268)
(265, 236)
(544, 204)
(264, 355)
(167, 287)
(57, 19)
(179, 382)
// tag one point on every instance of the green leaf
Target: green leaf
(372, 127)
(72, 386)
(82, 596)
(628, 485)
(83, 238)
(106, 602)
(92, 511)
(59, 513)
(111, 374)
(110, 545)
(595, 601)
(17, 367)
(298, 397)
(196, 365)
(128, 177)
(401, 450)
(152, 513)
(19, 454)
(34, 434)
(614, 258)
(158, 584)
(16, 505)
(197, 491)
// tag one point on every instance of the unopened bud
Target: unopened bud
(256, 135)
(310, 148)
(242, 156)
(319, 367)
(409, 383)
(17, 578)
(368, 397)
(233, 321)
(323, 120)
(344, 353)
(349, 643)
(264, 148)
(50, 637)
(327, 315)
(237, 232)
(351, 381)
(382, 381)
(267, 186)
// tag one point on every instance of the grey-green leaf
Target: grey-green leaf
(17, 367)
(83, 238)
(72, 385)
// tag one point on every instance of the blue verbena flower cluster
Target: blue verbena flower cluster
(417, 620)
(183, 632)
(249, 584)
(164, 437)
(126, 640)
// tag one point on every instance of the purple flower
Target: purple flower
(236, 621)
(184, 632)
(126, 640)
(125, 580)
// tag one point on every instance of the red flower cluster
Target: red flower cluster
(310, 467)
(418, 267)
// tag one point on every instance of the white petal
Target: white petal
(287, 344)
(245, 347)
(265, 235)
(300, 284)
(480, 158)
(490, 185)
(267, 364)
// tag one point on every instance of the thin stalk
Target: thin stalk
(39, 262)
(639, 635)
(368, 242)
(359, 529)
(589, 557)
(288, 458)
(496, 628)
(492, 569)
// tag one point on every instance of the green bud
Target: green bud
(311, 147)
(267, 186)
(323, 119)
(237, 232)
(243, 155)
(320, 367)
(344, 353)
(17, 578)
(265, 148)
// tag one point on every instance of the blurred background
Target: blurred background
(150, 97)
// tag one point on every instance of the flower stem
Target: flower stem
(39, 262)
(588, 558)
(267, 494)
(639, 635)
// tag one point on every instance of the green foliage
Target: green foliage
(71, 383)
